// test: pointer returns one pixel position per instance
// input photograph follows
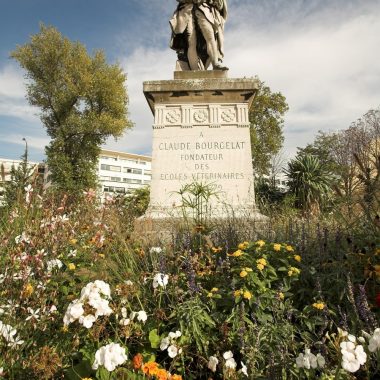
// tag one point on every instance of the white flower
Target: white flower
(74, 311)
(110, 356)
(308, 360)
(142, 316)
(164, 343)
(125, 321)
(124, 312)
(172, 351)
(28, 190)
(33, 314)
(244, 369)
(15, 342)
(374, 341)
(72, 253)
(87, 321)
(230, 361)
(23, 238)
(55, 263)
(128, 283)
(53, 309)
(212, 363)
(320, 361)
(228, 355)
(157, 250)
(160, 279)
(352, 356)
(103, 287)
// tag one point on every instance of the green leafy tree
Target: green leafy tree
(82, 100)
(266, 118)
(20, 177)
(310, 181)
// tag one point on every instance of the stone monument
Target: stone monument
(201, 123)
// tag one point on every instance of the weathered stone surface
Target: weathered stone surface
(201, 134)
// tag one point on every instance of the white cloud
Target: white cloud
(323, 56)
(35, 142)
(13, 95)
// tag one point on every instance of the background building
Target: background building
(119, 172)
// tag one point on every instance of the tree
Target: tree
(352, 155)
(82, 101)
(309, 181)
(20, 177)
(266, 118)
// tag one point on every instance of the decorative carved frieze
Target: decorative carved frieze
(213, 115)
(200, 116)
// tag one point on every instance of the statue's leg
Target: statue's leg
(192, 54)
(209, 35)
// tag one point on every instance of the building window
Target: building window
(115, 179)
(110, 168)
(132, 170)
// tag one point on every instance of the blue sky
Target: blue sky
(323, 55)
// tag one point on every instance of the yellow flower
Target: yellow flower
(261, 261)
(28, 290)
(102, 255)
(238, 293)
(214, 290)
(319, 305)
(209, 295)
(289, 248)
(281, 296)
(216, 250)
(247, 295)
(236, 253)
(277, 247)
(71, 266)
(293, 271)
(260, 243)
(73, 241)
(243, 245)
(243, 273)
(65, 328)
(86, 378)
(297, 258)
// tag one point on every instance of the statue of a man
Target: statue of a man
(198, 33)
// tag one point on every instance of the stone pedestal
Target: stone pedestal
(201, 134)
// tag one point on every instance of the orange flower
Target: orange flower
(150, 368)
(176, 377)
(161, 374)
(137, 361)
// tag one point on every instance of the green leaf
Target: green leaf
(154, 338)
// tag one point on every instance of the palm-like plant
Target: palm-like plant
(310, 181)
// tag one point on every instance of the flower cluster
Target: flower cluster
(110, 356)
(169, 343)
(9, 334)
(94, 294)
(308, 360)
(353, 355)
(230, 361)
(125, 321)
